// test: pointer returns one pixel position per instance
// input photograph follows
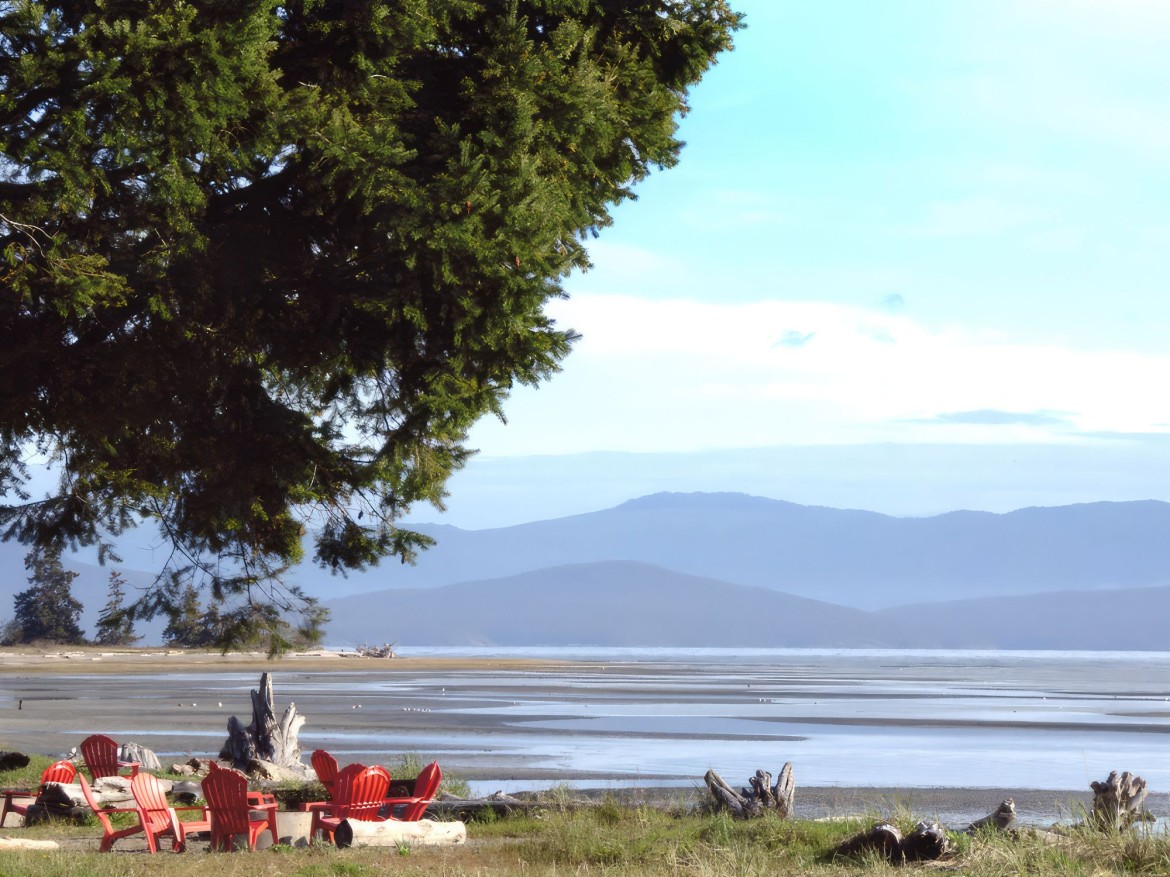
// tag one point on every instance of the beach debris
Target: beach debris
(21, 843)
(1117, 802)
(265, 739)
(186, 791)
(66, 801)
(998, 820)
(136, 752)
(760, 798)
(13, 760)
(393, 833)
(927, 842)
(386, 650)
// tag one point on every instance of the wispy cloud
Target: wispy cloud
(684, 375)
(792, 338)
(993, 417)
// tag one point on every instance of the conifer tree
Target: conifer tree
(186, 627)
(265, 262)
(47, 611)
(114, 626)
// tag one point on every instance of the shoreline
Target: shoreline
(99, 660)
(68, 693)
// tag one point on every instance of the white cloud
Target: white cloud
(686, 375)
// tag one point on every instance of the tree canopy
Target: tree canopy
(47, 611)
(265, 263)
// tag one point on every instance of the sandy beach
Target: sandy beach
(458, 710)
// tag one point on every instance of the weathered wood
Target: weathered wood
(785, 791)
(498, 803)
(998, 820)
(1117, 802)
(883, 838)
(57, 801)
(107, 791)
(726, 797)
(12, 760)
(927, 842)
(265, 739)
(38, 813)
(136, 752)
(759, 797)
(392, 833)
(20, 843)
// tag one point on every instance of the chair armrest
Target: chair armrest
(133, 767)
(309, 806)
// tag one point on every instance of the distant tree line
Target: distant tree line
(47, 612)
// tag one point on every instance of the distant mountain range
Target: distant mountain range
(733, 569)
(856, 558)
(623, 603)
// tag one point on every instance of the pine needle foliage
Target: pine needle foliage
(265, 263)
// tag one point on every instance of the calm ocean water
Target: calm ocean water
(906, 719)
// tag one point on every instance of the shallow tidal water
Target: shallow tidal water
(651, 717)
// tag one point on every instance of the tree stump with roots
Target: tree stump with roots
(760, 798)
(265, 739)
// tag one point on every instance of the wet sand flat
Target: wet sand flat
(956, 734)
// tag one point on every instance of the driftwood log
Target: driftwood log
(759, 797)
(136, 752)
(265, 739)
(392, 833)
(927, 842)
(998, 820)
(12, 760)
(20, 843)
(1117, 802)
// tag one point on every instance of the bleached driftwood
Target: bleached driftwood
(392, 833)
(998, 820)
(20, 843)
(265, 739)
(136, 752)
(761, 797)
(1117, 802)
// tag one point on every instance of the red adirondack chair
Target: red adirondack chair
(101, 758)
(57, 772)
(110, 834)
(361, 795)
(226, 792)
(425, 787)
(155, 813)
(325, 766)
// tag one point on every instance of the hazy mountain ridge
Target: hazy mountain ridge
(754, 556)
(863, 559)
(620, 603)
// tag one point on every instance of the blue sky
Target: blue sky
(892, 221)
(906, 222)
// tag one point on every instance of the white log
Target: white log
(392, 833)
(20, 843)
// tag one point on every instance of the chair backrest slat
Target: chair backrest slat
(226, 792)
(101, 756)
(59, 772)
(425, 788)
(325, 766)
(361, 792)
